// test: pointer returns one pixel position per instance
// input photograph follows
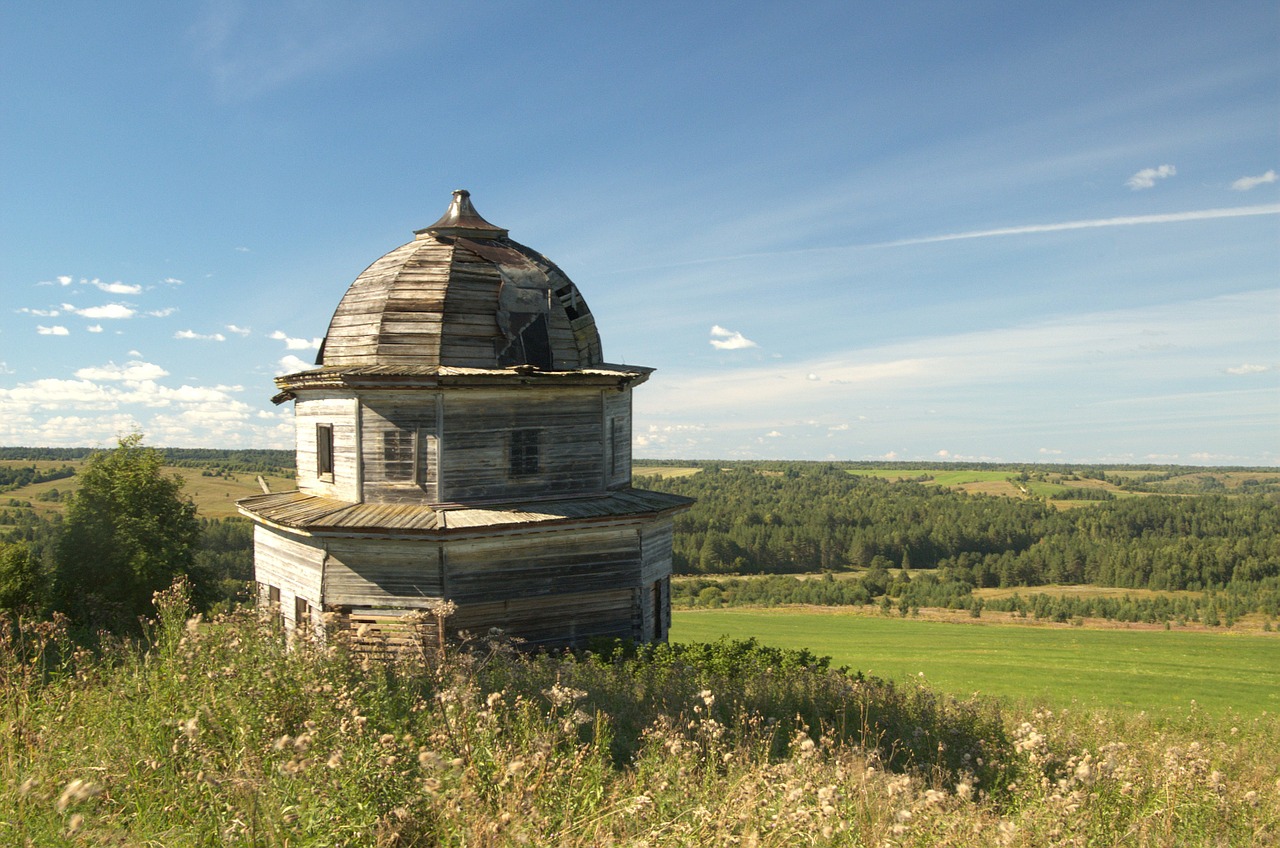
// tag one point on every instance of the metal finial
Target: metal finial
(462, 219)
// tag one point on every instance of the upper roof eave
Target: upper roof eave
(442, 376)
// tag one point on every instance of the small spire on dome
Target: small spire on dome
(462, 219)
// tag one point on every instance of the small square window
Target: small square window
(399, 453)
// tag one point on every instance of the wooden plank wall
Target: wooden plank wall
(541, 565)
(655, 550)
(291, 564)
(470, 312)
(413, 412)
(475, 452)
(382, 573)
(338, 409)
(565, 619)
(617, 446)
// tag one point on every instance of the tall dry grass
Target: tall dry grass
(218, 733)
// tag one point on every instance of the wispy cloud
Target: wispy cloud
(192, 334)
(1146, 178)
(295, 344)
(722, 339)
(239, 331)
(55, 330)
(118, 287)
(1247, 183)
(133, 371)
(109, 310)
(1249, 369)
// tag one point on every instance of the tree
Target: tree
(22, 584)
(129, 531)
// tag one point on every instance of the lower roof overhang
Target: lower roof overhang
(319, 516)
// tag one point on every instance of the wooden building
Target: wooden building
(462, 439)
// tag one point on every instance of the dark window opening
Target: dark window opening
(324, 451)
(301, 612)
(657, 610)
(524, 452)
(399, 453)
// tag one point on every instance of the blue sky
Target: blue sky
(916, 231)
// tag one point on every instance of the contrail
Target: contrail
(1128, 221)
(1062, 226)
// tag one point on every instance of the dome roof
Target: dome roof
(462, 295)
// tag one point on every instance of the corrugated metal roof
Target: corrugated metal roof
(328, 515)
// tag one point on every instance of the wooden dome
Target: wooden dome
(462, 295)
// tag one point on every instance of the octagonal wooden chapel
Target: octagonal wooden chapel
(463, 439)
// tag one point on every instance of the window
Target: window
(301, 613)
(524, 452)
(324, 451)
(658, 609)
(400, 453)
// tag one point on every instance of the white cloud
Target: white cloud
(944, 453)
(239, 331)
(1050, 452)
(163, 313)
(110, 310)
(94, 328)
(132, 371)
(173, 281)
(291, 365)
(836, 428)
(296, 344)
(5, 369)
(1146, 178)
(722, 339)
(242, 250)
(118, 287)
(64, 280)
(192, 334)
(40, 313)
(772, 434)
(813, 377)
(1246, 183)
(52, 331)
(1249, 369)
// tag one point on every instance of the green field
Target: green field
(1154, 670)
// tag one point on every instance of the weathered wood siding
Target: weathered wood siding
(476, 444)
(291, 564)
(390, 423)
(616, 408)
(382, 573)
(541, 565)
(566, 619)
(655, 550)
(339, 410)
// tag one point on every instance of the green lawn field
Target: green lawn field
(1155, 670)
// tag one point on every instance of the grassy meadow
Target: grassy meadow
(1161, 672)
(221, 733)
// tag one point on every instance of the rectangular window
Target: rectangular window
(524, 452)
(324, 451)
(301, 613)
(658, 608)
(400, 453)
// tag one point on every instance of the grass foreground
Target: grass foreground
(220, 733)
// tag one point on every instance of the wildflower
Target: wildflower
(934, 796)
(387, 739)
(282, 743)
(190, 728)
(1251, 798)
(77, 791)
(707, 698)
(76, 822)
(494, 699)
(431, 784)
(964, 791)
(335, 760)
(429, 759)
(563, 696)
(31, 782)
